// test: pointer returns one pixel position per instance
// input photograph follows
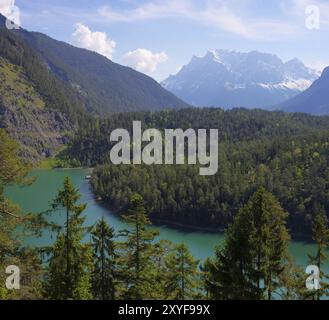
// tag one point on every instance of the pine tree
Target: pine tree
(254, 253)
(232, 274)
(210, 280)
(182, 275)
(137, 250)
(12, 169)
(13, 223)
(276, 241)
(158, 271)
(67, 199)
(321, 237)
(71, 261)
(105, 259)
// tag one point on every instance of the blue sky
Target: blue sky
(157, 37)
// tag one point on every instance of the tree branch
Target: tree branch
(3, 211)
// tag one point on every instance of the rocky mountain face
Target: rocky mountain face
(23, 114)
(233, 79)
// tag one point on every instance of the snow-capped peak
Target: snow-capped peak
(229, 78)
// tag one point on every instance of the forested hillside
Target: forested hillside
(37, 109)
(50, 88)
(23, 114)
(288, 154)
(104, 86)
(252, 263)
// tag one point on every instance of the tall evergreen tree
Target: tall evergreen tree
(321, 237)
(254, 254)
(182, 275)
(232, 274)
(209, 281)
(158, 271)
(13, 223)
(71, 264)
(67, 199)
(105, 259)
(272, 253)
(137, 250)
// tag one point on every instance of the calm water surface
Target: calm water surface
(36, 198)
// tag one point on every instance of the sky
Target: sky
(158, 37)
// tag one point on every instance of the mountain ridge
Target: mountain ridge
(228, 79)
(106, 86)
(313, 100)
(49, 70)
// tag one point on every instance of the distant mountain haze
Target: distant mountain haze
(231, 79)
(50, 89)
(314, 100)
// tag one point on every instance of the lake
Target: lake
(36, 198)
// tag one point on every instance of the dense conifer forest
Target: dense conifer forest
(287, 154)
(253, 263)
(60, 104)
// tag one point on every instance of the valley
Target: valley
(211, 184)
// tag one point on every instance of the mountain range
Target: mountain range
(49, 88)
(231, 79)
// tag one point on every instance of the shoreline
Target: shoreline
(185, 227)
(176, 225)
(190, 228)
(164, 223)
(66, 168)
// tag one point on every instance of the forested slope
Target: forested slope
(104, 86)
(36, 108)
(288, 154)
(64, 88)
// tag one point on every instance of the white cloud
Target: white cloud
(148, 11)
(144, 60)
(229, 16)
(6, 7)
(99, 42)
(318, 65)
(10, 10)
